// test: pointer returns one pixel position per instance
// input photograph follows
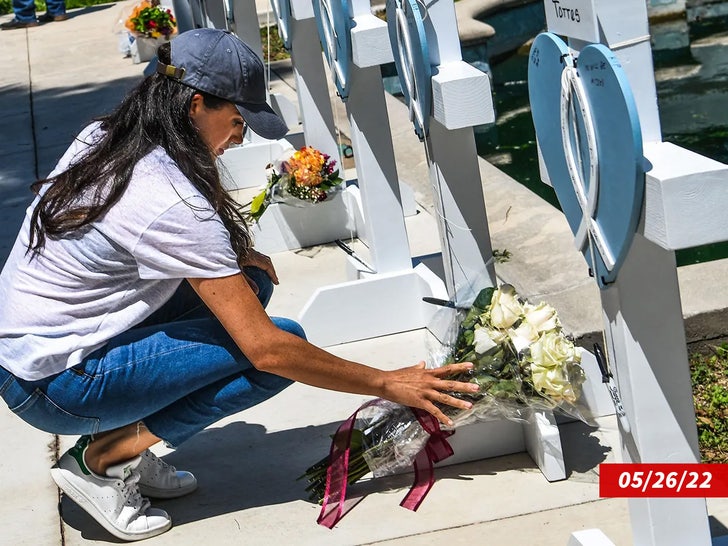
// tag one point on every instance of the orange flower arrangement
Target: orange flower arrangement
(149, 19)
(307, 174)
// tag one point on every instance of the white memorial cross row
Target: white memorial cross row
(352, 40)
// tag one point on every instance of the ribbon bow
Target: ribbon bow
(437, 448)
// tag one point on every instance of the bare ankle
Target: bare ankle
(116, 446)
(93, 458)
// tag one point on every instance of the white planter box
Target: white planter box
(143, 48)
(286, 227)
(244, 166)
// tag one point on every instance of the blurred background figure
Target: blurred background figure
(25, 14)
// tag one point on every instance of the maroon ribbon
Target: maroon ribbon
(335, 505)
(436, 449)
(337, 473)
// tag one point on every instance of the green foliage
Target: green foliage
(71, 4)
(502, 256)
(276, 50)
(709, 375)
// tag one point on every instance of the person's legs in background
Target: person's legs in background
(55, 11)
(24, 15)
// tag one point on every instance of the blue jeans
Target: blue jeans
(25, 9)
(178, 372)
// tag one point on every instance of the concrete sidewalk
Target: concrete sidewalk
(58, 76)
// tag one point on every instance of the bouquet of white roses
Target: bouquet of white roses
(522, 358)
(522, 361)
(306, 175)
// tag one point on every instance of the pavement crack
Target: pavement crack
(55, 449)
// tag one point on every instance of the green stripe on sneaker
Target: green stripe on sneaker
(77, 453)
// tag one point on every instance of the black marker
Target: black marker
(611, 386)
(442, 303)
(346, 248)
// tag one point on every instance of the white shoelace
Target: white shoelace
(132, 496)
(159, 462)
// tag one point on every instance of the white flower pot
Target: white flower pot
(143, 48)
(286, 227)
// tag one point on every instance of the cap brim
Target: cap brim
(263, 120)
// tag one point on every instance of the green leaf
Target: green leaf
(491, 363)
(482, 301)
(259, 204)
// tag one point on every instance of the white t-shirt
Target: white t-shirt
(84, 289)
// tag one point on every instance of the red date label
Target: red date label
(663, 480)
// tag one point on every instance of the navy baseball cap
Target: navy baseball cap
(219, 63)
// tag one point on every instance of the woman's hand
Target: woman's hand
(422, 388)
(261, 261)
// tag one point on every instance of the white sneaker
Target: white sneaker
(113, 500)
(161, 480)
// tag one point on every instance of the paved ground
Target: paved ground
(54, 79)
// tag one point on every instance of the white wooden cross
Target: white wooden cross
(298, 28)
(641, 307)
(389, 299)
(461, 99)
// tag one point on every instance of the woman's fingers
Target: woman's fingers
(457, 386)
(439, 415)
(266, 264)
(444, 386)
(449, 400)
(452, 369)
(429, 389)
(446, 400)
(451, 385)
(261, 261)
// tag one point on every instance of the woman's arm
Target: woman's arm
(276, 351)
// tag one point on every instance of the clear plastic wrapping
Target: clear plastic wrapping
(392, 437)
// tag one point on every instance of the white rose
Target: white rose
(553, 382)
(542, 316)
(505, 309)
(552, 349)
(551, 357)
(523, 336)
(482, 341)
(485, 338)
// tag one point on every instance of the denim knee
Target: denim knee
(290, 326)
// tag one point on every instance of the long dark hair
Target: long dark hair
(156, 113)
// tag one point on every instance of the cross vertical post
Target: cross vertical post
(461, 99)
